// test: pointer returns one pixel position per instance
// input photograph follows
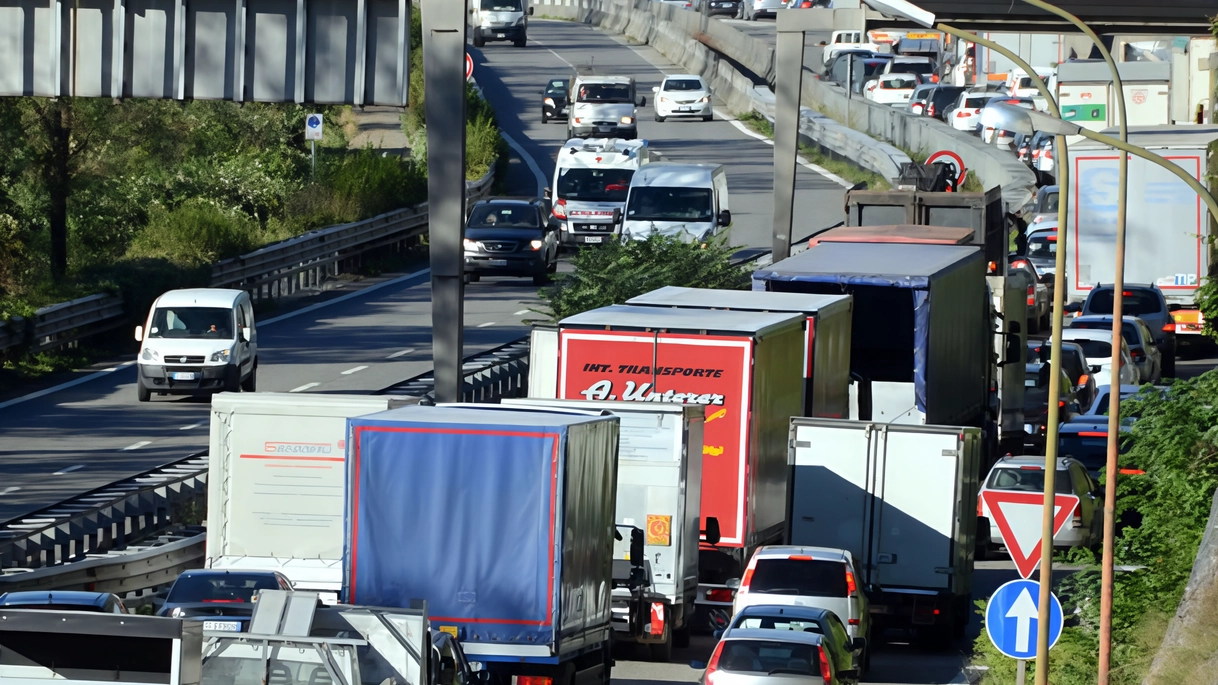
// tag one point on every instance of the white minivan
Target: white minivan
(687, 201)
(198, 341)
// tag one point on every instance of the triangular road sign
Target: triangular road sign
(1018, 517)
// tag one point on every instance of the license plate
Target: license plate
(604, 129)
(878, 609)
(500, 35)
(183, 376)
(498, 262)
(593, 238)
(685, 109)
(230, 626)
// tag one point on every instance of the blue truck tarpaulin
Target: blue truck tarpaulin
(499, 509)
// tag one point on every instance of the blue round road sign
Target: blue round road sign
(1011, 618)
(314, 121)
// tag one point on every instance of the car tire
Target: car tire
(520, 42)
(662, 652)
(251, 384)
(1169, 365)
(142, 393)
(659, 118)
(545, 118)
(541, 279)
(708, 117)
(479, 41)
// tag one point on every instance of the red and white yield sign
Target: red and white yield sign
(949, 157)
(469, 66)
(1018, 518)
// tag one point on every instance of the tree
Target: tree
(615, 272)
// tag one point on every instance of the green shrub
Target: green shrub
(615, 272)
(195, 233)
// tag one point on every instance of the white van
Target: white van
(499, 20)
(688, 201)
(591, 179)
(198, 341)
(1020, 85)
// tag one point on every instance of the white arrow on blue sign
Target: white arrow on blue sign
(313, 127)
(1011, 618)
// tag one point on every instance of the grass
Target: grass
(846, 170)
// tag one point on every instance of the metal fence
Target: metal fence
(63, 323)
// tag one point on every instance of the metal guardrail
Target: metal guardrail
(487, 377)
(63, 323)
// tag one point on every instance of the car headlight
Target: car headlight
(663, 99)
(536, 244)
(150, 355)
(705, 99)
(470, 245)
(627, 120)
(549, 101)
(221, 356)
(176, 612)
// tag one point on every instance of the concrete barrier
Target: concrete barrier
(739, 67)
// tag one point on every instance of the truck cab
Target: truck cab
(494, 20)
(604, 107)
(591, 180)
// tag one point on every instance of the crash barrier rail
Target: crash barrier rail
(66, 322)
(736, 64)
(284, 268)
(486, 377)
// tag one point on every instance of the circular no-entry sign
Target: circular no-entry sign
(950, 158)
(469, 66)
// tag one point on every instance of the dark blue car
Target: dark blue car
(223, 600)
(63, 600)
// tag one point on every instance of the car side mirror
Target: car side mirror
(1095, 368)
(637, 553)
(546, 193)
(245, 333)
(733, 583)
(697, 664)
(712, 530)
(617, 216)
(642, 101)
(718, 634)
(1073, 307)
(725, 218)
(485, 676)
(530, 10)
(655, 89)
(139, 333)
(859, 643)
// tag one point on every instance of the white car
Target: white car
(683, 95)
(818, 577)
(891, 89)
(1042, 157)
(1141, 342)
(965, 112)
(1027, 474)
(751, 9)
(1097, 345)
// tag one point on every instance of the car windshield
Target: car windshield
(872, 67)
(898, 83)
(769, 656)
(604, 92)
(910, 68)
(778, 623)
(1026, 479)
(803, 577)
(1095, 348)
(226, 588)
(594, 185)
(1042, 246)
(1133, 302)
(503, 216)
(975, 103)
(501, 6)
(1129, 331)
(556, 87)
(652, 203)
(211, 323)
(682, 84)
(1050, 204)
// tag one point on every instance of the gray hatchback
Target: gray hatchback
(1145, 302)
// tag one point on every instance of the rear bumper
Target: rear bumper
(207, 379)
(904, 610)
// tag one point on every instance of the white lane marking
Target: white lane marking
(137, 445)
(70, 469)
(560, 57)
(348, 372)
(191, 426)
(528, 160)
(281, 317)
(484, 325)
(64, 386)
(400, 353)
(522, 312)
(304, 387)
(803, 162)
(10, 490)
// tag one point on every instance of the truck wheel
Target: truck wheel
(680, 637)
(479, 41)
(142, 393)
(251, 384)
(662, 652)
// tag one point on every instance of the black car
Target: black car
(554, 100)
(223, 600)
(837, 69)
(63, 600)
(510, 237)
(1036, 403)
(940, 100)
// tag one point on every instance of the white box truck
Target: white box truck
(902, 499)
(659, 483)
(276, 478)
(1167, 226)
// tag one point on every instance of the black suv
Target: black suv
(510, 237)
(554, 100)
(1145, 302)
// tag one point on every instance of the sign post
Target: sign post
(313, 128)
(1012, 622)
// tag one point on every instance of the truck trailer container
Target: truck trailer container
(501, 519)
(659, 486)
(826, 365)
(259, 516)
(919, 340)
(1167, 226)
(744, 367)
(902, 500)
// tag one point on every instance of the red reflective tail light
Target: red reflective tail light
(851, 587)
(720, 594)
(826, 673)
(713, 665)
(1169, 327)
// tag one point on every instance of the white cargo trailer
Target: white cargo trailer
(276, 478)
